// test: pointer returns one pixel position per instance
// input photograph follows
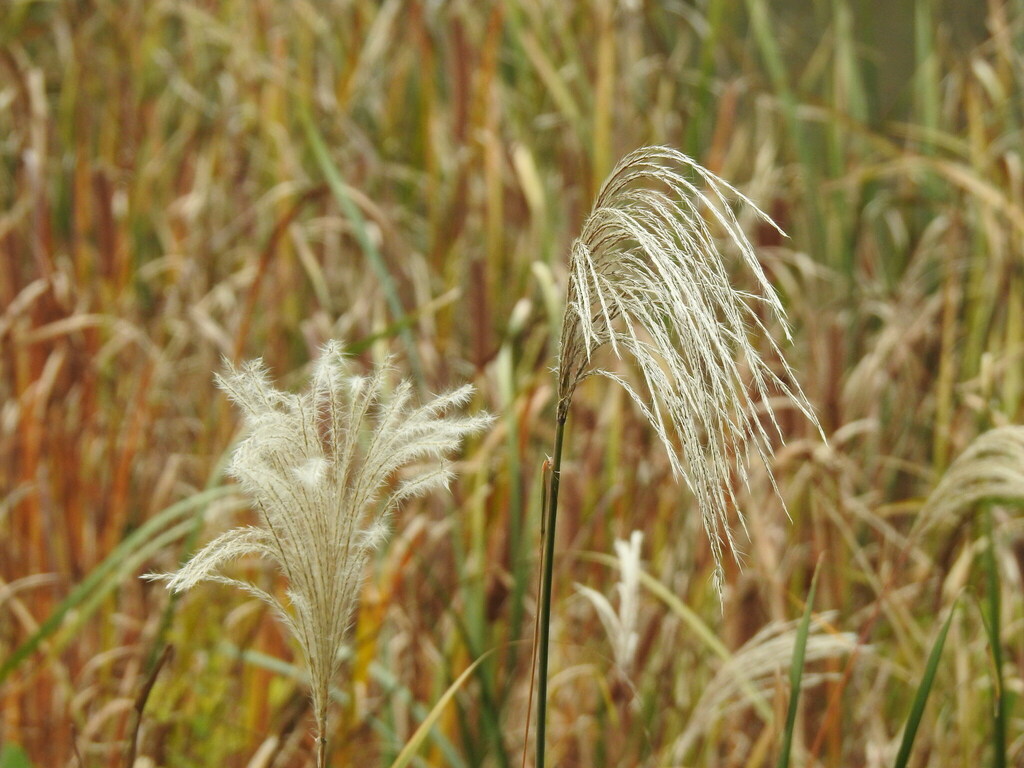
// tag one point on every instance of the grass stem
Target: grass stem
(321, 745)
(545, 592)
(994, 627)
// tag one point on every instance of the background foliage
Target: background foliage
(186, 180)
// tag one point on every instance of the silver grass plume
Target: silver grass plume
(648, 279)
(991, 468)
(318, 467)
(753, 671)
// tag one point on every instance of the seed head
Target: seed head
(648, 279)
(318, 467)
(991, 468)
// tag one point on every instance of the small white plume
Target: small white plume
(622, 626)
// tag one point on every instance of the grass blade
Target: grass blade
(921, 697)
(355, 216)
(767, 42)
(145, 536)
(993, 628)
(796, 672)
(13, 756)
(417, 739)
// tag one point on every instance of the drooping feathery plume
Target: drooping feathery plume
(648, 279)
(991, 468)
(751, 674)
(318, 467)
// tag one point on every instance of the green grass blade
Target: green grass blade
(993, 627)
(927, 75)
(13, 756)
(698, 133)
(767, 43)
(362, 235)
(417, 739)
(190, 540)
(135, 548)
(921, 697)
(403, 323)
(796, 672)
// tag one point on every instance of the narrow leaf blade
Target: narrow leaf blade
(417, 739)
(796, 672)
(921, 697)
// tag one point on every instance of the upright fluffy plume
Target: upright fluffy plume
(622, 626)
(648, 279)
(318, 467)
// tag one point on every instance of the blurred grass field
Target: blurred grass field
(189, 180)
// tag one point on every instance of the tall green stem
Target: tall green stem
(545, 593)
(995, 640)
